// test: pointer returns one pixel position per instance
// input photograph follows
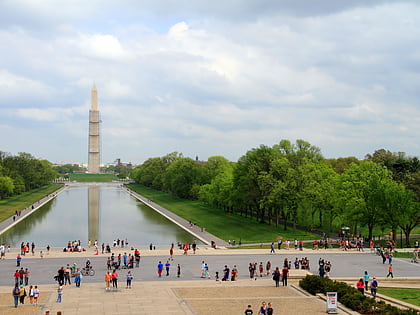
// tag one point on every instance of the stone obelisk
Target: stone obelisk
(94, 121)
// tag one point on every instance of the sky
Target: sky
(209, 78)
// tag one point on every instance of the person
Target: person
(234, 273)
(67, 272)
(249, 310)
(261, 267)
(22, 294)
(88, 265)
(59, 293)
(77, 277)
(160, 269)
(16, 293)
(18, 260)
(374, 287)
(129, 278)
(268, 267)
(36, 295)
(167, 265)
(107, 280)
(276, 276)
(284, 275)
(366, 278)
(31, 295)
(390, 258)
(270, 309)
(226, 273)
(16, 275)
(178, 272)
(390, 271)
(263, 309)
(171, 252)
(60, 276)
(272, 249)
(114, 278)
(360, 285)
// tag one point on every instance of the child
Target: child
(217, 276)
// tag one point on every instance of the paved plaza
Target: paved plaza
(189, 294)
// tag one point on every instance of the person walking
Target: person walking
(59, 293)
(159, 269)
(22, 294)
(16, 293)
(374, 287)
(31, 295)
(26, 275)
(276, 276)
(366, 278)
(390, 272)
(360, 285)
(167, 265)
(36, 295)
(272, 251)
(129, 278)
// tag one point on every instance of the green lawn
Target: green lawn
(93, 177)
(218, 222)
(9, 206)
(411, 296)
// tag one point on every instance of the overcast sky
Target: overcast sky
(209, 78)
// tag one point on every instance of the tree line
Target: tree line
(23, 172)
(293, 184)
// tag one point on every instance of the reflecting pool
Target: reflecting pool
(95, 212)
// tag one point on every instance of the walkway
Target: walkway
(196, 231)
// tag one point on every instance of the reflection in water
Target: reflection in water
(93, 208)
(96, 212)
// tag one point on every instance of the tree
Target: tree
(361, 190)
(6, 186)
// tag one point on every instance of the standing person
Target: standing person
(390, 272)
(167, 265)
(178, 272)
(360, 285)
(366, 278)
(26, 275)
(249, 310)
(276, 276)
(270, 309)
(16, 275)
(77, 277)
(16, 293)
(31, 295)
(374, 287)
(268, 267)
(114, 278)
(171, 252)
(390, 258)
(129, 278)
(251, 271)
(59, 293)
(284, 276)
(160, 269)
(21, 274)
(261, 267)
(263, 309)
(36, 295)
(22, 294)
(18, 260)
(67, 272)
(108, 281)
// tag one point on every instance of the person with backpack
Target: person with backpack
(374, 287)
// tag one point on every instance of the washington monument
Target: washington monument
(94, 121)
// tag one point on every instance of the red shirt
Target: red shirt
(17, 274)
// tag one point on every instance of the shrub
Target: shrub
(350, 296)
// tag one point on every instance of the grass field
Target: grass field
(9, 206)
(411, 296)
(100, 178)
(218, 222)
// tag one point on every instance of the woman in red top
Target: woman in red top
(17, 277)
(361, 286)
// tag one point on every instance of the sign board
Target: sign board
(332, 302)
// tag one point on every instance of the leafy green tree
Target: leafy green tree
(6, 186)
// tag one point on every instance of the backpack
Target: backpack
(374, 284)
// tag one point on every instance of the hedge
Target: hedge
(351, 297)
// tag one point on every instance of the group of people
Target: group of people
(363, 284)
(123, 261)
(19, 294)
(264, 309)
